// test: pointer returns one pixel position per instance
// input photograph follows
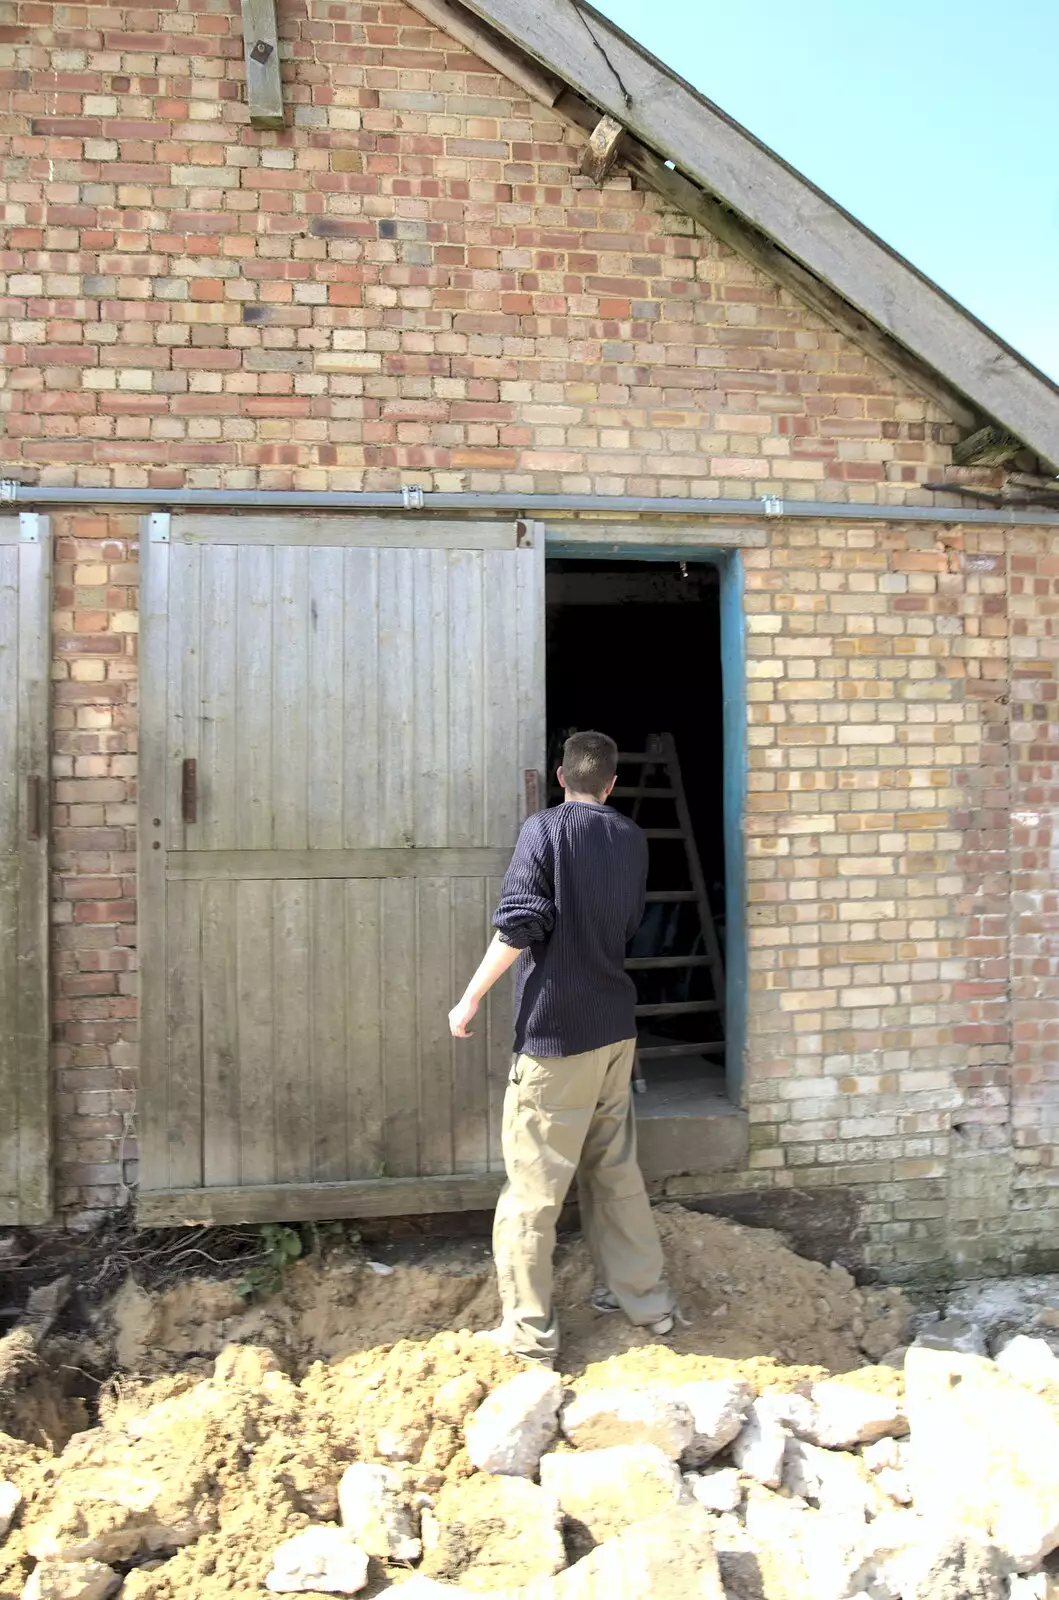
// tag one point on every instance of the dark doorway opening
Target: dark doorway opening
(634, 649)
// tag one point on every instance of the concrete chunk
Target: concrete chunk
(71, 1580)
(376, 1515)
(606, 1491)
(845, 1416)
(718, 1491)
(513, 1427)
(321, 1560)
(1032, 1362)
(758, 1451)
(985, 1453)
(668, 1557)
(718, 1412)
(603, 1417)
(489, 1532)
(10, 1500)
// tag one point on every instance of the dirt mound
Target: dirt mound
(198, 1468)
(743, 1291)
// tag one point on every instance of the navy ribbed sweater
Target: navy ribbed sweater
(572, 899)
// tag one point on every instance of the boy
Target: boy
(571, 901)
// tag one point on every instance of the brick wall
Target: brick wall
(412, 285)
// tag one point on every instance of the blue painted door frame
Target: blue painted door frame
(729, 565)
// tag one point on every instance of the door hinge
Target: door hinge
(158, 527)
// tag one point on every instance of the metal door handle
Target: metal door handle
(34, 807)
(189, 791)
(533, 790)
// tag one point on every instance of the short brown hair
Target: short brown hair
(590, 761)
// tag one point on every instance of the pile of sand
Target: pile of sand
(743, 1290)
(363, 1354)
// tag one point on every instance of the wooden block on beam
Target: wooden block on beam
(601, 152)
(264, 92)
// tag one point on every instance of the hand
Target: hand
(460, 1016)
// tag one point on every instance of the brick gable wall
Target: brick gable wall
(412, 285)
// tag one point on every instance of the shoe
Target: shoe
(603, 1300)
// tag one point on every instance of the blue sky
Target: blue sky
(936, 122)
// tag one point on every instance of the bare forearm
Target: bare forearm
(496, 961)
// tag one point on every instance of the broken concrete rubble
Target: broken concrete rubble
(321, 1560)
(958, 1566)
(985, 1453)
(838, 1484)
(606, 1491)
(844, 1416)
(1029, 1361)
(718, 1412)
(719, 1490)
(758, 1451)
(10, 1500)
(955, 1333)
(71, 1580)
(598, 1418)
(667, 1557)
(494, 1531)
(376, 1514)
(510, 1431)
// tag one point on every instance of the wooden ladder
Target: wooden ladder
(660, 757)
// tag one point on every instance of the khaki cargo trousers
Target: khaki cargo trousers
(565, 1115)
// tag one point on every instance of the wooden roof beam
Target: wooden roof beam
(264, 91)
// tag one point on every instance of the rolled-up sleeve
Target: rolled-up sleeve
(526, 913)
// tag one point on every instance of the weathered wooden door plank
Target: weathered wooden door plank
(291, 962)
(360, 711)
(329, 976)
(230, 865)
(9, 866)
(311, 1202)
(395, 752)
(184, 1107)
(155, 806)
(25, 1078)
(264, 90)
(349, 531)
(292, 703)
(255, 989)
(397, 1002)
(434, 991)
(221, 1151)
(327, 694)
(364, 1025)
